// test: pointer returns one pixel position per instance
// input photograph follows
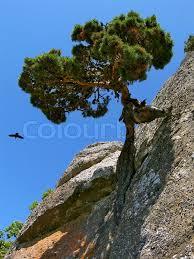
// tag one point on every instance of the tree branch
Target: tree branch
(105, 85)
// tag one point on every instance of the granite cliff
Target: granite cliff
(157, 218)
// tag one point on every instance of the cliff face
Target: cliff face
(157, 220)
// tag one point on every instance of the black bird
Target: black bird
(16, 135)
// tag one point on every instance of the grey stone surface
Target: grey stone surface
(157, 220)
(89, 157)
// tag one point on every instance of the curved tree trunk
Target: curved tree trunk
(133, 112)
(125, 164)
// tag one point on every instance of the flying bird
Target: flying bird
(16, 135)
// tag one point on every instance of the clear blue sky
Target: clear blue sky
(28, 28)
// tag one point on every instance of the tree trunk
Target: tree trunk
(125, 165)
(133, 112)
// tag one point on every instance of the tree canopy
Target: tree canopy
(105, 59)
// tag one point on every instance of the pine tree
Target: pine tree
(106, 59)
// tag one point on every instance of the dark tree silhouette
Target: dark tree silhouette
(105, 60)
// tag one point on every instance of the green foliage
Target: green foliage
(33, 205)
(9, 232)
(46, 193)
(104, 58)
(134, 63)
(189, 44)
(13, 229)
(36, 203)
(4, 247)
(86, 32)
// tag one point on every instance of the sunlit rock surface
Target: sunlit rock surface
(76, 221)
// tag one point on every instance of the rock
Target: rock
(157, 220)
(94, 154)
(91, 178)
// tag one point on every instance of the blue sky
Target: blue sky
(28, 28)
